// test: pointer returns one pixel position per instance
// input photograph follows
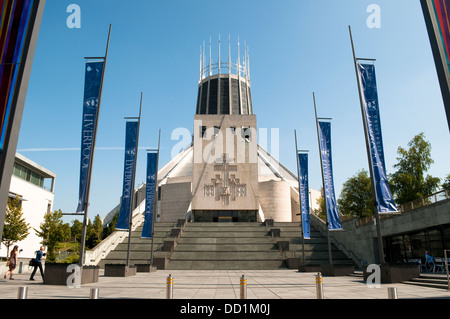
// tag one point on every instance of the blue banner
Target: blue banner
(367, 79)
(334, 222)
(123, 220)
(92, 87)
(150, 188)
(304, 193)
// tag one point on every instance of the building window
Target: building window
(28, 175)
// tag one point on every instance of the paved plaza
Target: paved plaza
(218, 284)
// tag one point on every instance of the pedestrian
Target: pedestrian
(40, 255)
(12, 262)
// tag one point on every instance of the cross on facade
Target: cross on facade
(223, 189)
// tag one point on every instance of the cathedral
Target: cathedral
(225, 176)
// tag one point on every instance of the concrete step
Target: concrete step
(225, 240)
(227, 265)
(224, 234)
(226, 247)
(222, 255)
(430, 280)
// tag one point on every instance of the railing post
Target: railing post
(319, 286)
(392, 293)
(169, 291)
(243, 287)
(93, 294)
(22, 293)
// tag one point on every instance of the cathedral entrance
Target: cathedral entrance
(225, 216)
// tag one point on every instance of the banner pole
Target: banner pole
(300, 201)
(330, 258)
(155, 200)
(133, 202)
(91, 161)
(369, 157)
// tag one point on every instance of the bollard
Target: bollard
(319, 286)
(243, 285)
(93, 293)
(169, 291)
(22, 293)
(392, 293)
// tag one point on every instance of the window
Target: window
(28, 175)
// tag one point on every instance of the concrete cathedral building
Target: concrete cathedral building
(216, 198)
(225, 176)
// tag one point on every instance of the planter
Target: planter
(119, 270)
(395, 272)
(399, 272)
(160, 263)
(145, 268)
(59, 273)
(338, 270)
(293, 263)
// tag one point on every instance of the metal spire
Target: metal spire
(219, 53)
(239, 59)
(229, 54)
(200, 71)
(210, 69)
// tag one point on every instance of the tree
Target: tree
(52, 232)
(109, 229)
(446, 183)
(76, 229)
(321, 211)
(356, 196)
(409, 181)
(94, 232)
(15, 227)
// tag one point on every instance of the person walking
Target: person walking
(40, 255)
(12, 262)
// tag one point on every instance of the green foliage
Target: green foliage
(76, 229)
(94, 232)
(446, 183)
(109, 229)
(52, 231)
(409, 182)
(15, 227)
(356, 196)
(321, 212)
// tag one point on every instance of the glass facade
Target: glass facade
(224, 216)
(224, 95)
(28, 175)
(412, 245)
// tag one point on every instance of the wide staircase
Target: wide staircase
(315, 248)
(226, 246)
(140, 248)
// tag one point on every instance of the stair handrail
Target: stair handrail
(100, 251)
(339, 245)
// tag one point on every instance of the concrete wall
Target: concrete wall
(175, 200)
(275, 200)
(361, 241)
(241, 155)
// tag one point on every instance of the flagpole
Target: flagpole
(130, 216)
(330, 259)
(91, 159)
(155, 200)
(300, 201)
(369, 156)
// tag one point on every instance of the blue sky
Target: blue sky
(296, 47)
